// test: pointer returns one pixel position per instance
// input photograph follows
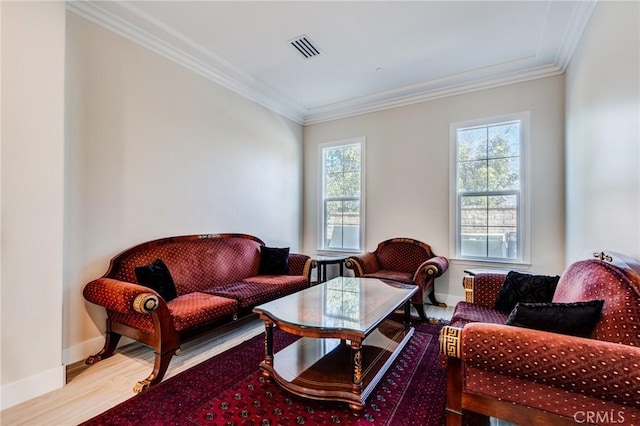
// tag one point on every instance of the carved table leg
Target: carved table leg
(268, 347)
(356, 382)
(407, 314)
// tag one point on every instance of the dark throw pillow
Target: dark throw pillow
(525, 288)
(274, 261)
(574, 319)
(156, 276)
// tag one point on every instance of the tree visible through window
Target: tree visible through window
(489, 188)
(342, 196)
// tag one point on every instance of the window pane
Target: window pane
(472, 144)
(504, 140)
(351, 158)
(351, 225)
(489, 165)
(472, 176)
(473, 213)
(333, 211)
(503, 224)
(473, 220)
(488, 226)
(342, 172)
(473, 243)
(342, 203)
(333, 160)
(343, 224)
(351, 184)
(503, 174)
(333, 185)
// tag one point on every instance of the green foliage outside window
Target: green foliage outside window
(342, 165)
(488, 186)
(342, 186)
(489, 159)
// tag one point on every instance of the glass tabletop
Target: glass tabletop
(343, 303)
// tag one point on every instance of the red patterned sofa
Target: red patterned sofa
(406, 260)
(533, 377)
(216, 280)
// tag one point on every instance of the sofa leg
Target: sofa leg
(453, 408)
(110, 343)
(160, 365)
(453, 419)
(432, 298)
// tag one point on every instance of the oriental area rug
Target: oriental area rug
(228, 389)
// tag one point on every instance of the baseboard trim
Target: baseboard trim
(449, 299)
(89, 347)
(82, 350)
(32, 387)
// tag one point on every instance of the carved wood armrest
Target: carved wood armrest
(309, 265)
(431, 269)
(145, 303)
(121, 296)
(365, 263)
(301, 264)
(450, 341)
(467, 283)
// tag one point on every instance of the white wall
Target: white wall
(603, 134)
(33, 51)
(155, 150)
(408, 171)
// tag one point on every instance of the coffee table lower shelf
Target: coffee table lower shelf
(325, 369)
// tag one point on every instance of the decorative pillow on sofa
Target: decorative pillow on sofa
(274, 261)
(525, 288)
(156, 276)
(574, 319)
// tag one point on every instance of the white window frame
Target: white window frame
(321, 195)
(524, 204)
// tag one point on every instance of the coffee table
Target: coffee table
(348, 340)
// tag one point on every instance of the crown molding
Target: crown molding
(432, 90)
(183, 51)
(353, 107)
(575, 29)
(198, 63)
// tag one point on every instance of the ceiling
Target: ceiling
(373, 54)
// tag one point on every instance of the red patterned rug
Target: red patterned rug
(229, 390)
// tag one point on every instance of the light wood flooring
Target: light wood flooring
(92, 390)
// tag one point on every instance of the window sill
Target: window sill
(330, 252)
(490, 263)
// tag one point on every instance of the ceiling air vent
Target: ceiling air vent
(305, 47)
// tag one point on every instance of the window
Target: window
(342, 216)
(489, 196)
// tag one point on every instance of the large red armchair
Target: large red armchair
(533, 376)
(406, 260)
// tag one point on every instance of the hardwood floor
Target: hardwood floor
(93, 389)
(90, 390)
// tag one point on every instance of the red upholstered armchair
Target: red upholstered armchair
(535, 377)
(405, 260)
